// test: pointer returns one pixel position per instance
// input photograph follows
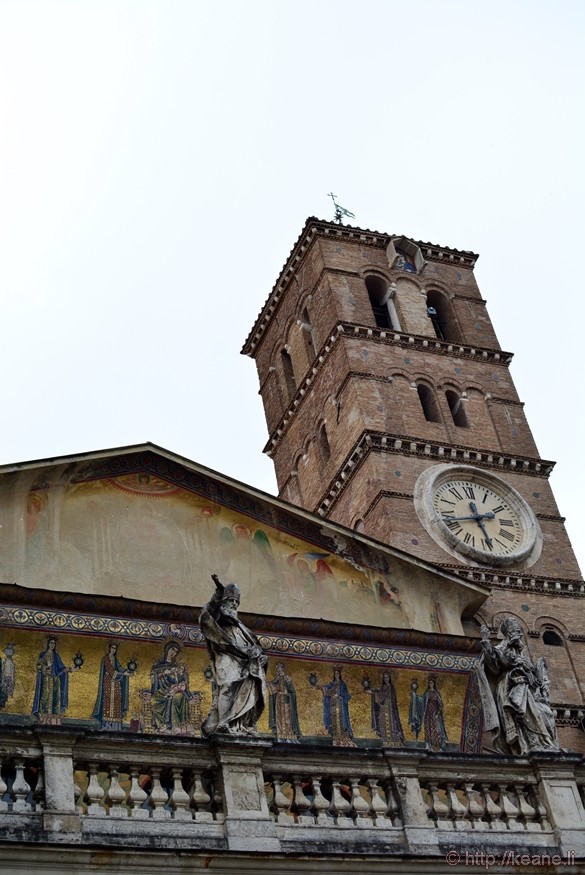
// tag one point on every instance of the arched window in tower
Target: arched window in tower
(288, 373)
(308, 338)
(428, 402)
(440, 313)
(324, 443)
(380, 296)
(552, 638)
(457, 409)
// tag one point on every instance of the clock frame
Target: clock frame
(476, 516)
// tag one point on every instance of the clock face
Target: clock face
(476, 516)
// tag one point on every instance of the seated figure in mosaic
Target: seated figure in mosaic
(170, 698)
(516, 702)
(238, 664)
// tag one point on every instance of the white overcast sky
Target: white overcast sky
(158, 161)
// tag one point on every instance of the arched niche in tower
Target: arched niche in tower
(428, 402)
(554, 646)
(323, 441)
(288, 374)
(403, 254)
(456, 404)
(381, 295)
(441, 317)
(306, 331)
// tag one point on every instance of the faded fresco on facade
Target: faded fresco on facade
(141, 537)
(164, 688)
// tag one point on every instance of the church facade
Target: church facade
(413, 510)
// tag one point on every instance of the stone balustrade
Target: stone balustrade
(111, 789)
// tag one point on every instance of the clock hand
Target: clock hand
(479, 518)
(483, 516)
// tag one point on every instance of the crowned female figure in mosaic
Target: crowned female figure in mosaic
(238, 664)
(52, 685)
(434, 718)
(112, 699)
(385, 717)
(336, 717)
(518, 712)
(282, 706)
(169, 693)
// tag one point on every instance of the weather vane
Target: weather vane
(340, 212)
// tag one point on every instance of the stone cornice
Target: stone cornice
(318, 228)
(351, 330)
(432, 450)
(525, 582)
(568, 714)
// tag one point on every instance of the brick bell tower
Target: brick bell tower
(391, 409)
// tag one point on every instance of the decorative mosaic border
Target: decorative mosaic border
(284, 645)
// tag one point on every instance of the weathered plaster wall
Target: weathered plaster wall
(141, 537)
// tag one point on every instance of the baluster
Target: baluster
(359, 806)
(458, 811)
(300, 804)
(281, 803)
(3, 789)
(158, 797)
(320, 805)
(78, 795)
(378, 805)
(200, 800)
(509, 809)
(38, 794)
(20, 789)
(179, 799)
(492, 810)
(541, 811)
(218, 804)
(475, 809)
(527, 812)
(94, 793)
(340, 806)
(438, 810)
(393, 804)
(137, 796)
(115, 796)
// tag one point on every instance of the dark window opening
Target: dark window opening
(324, 443)
(289, 374)
(440, 313)
(428, 402)
(308, 338)
(457, 409)
(552, 638)
(377, 289)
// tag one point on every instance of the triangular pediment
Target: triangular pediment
(143, 523)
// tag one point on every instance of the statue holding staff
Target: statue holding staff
(238, 663)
